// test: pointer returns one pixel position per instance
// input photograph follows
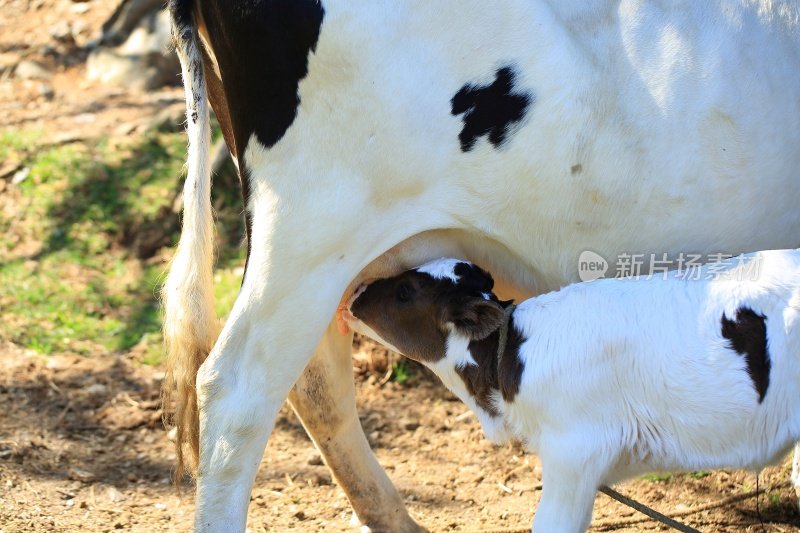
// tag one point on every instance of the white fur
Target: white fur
(187, 291)
(494, 428)
(634, 375)
(457, 347)
(655, 128)
(441, 268)
(190, 323)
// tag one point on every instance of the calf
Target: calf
(612, 378)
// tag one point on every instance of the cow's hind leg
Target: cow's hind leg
(324, 399)
(269, 337)
(240, 389)
(296, 276)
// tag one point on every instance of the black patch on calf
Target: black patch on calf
(473, 277)
(482, 379)
(490, 109)
(511, 366)
(747, 334)
(262, 49)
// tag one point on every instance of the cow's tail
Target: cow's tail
(190, 324)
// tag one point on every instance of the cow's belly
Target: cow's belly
(648, 132)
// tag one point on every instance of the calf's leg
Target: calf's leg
(569, 486)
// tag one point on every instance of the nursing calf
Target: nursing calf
(613, 378)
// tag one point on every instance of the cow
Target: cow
(373, 136)
(609, 379)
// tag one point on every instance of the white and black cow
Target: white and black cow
(612, 378)
(372, 136)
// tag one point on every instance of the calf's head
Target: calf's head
(416, 311)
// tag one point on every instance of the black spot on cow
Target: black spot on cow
(488, 376)
(262, 48)
(490, 110)
(747, 334)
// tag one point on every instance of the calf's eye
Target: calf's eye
(403, 293)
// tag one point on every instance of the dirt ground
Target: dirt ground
(81, 443)
(82, 449)
(63, 103)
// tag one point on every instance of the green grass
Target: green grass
(658, 477)
(13, 143)
(402, 374)
(82, 259)
(665, 477)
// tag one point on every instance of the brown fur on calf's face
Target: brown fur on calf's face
(415, 312)
(403, 311)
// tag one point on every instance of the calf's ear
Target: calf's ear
(476, 318)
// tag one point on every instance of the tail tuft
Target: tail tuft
(190, 324)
